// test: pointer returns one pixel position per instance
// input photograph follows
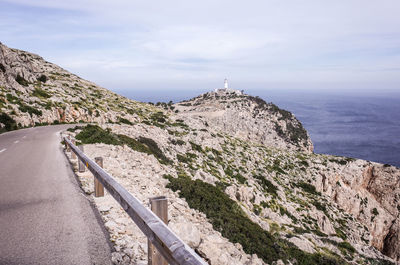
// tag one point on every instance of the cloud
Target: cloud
(123, 43)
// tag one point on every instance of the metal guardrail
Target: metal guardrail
(172, 248)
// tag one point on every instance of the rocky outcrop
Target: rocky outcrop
(370, 192)
(245, 117)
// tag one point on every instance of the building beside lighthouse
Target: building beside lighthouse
(227, 89)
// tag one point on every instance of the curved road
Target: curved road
(44, 216)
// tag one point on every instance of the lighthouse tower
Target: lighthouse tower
(226, 83)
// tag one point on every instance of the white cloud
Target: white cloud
(255, 41)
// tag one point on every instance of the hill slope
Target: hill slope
(236, 169)
(34, 91)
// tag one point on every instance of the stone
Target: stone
(187, 232)
(303, 244)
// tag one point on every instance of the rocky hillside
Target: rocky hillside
(243, 184)
(36, 92)
(247, 118)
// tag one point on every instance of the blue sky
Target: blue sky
(193, 45)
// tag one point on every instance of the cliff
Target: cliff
(243, 184)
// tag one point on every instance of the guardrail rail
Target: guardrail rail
(169, 245)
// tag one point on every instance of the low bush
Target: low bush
(266, 185)
(154, 149)
(196, 147)
(92, 134)
(158, 117)
(31, 110)
(20, 80)
(74, 128)
(346, 247)
(123, 120)
(40, 93)
(42, 78)
(177, 142)
(307, 188)
(9, 123)
(134, 144)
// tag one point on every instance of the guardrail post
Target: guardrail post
(67, 145)
(81, 166)
(159, 205)
(98, 187)
(73, 155)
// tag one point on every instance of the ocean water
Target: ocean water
(366, 127)
(347, 125)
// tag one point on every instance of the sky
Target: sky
(185, 45)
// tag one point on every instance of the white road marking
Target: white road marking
(1, 151)
(16, 142)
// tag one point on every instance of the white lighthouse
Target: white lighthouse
(226, 89)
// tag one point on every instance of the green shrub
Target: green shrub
(319, 206)
(133, 143)
(154, 149)
(40, 93)
(12, 99)
(346, 247)
(123, 120)
(307, 187)
(340, 233)
(42, 78)
(74, 128)
(92, 134)
(228, 218)
(48, 105)
(159, 117)
(21, 81)
(177, 142)
(196, 147)
(31, 110)
(9, 123)
(374, 211)
(239, 178)
(266, 185)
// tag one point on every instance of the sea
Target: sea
(356, 125)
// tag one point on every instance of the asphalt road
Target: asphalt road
(44, 216)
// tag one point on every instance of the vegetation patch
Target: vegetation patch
(309, 188)
(177, 142)
(228, 218)
(266, 185)
(31, 110)
(196, 147)
(126, 121)
(187, 158)
(42, 78)
(40, 93)
(345, 247)
(74, 128)
(20, 80)
(9, 123)
(92, 134)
